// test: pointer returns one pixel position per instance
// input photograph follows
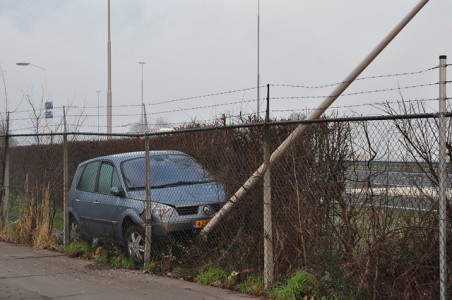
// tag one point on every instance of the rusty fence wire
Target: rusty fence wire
(354, 202)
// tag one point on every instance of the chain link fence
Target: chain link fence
(353, 201)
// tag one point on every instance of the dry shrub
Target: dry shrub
(34, 226)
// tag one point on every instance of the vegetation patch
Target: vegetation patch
(122, 262)
(150, 267)
(301, 284)
(253, 285)
(79, 249)
(211, 275)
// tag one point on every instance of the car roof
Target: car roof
(129, 155)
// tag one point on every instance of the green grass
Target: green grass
(211, 275)
(78, 249)
(122, 262)
(253, 285)
(299, 285)
(150, 267)
(102, 256)
(58, 220)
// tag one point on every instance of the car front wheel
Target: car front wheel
(135, 241)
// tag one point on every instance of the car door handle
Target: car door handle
(77, 200)
(96, 201)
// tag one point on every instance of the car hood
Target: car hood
(185, 195)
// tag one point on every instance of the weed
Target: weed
(182, 273)
(150, 267)
(252, 285)
(78, 249)
(101, 256)
(122, 262)
(32, 214)
(211, 275)
(299, 285)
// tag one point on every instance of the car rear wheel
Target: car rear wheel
(135, 241)
(74, 230)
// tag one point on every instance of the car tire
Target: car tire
(74, 230)
(135, 240)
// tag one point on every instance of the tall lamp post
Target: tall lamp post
(258, 58)
(109, 93)
(142, 63)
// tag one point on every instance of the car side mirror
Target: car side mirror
(116, 191)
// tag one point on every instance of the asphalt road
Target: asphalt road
(40, 274)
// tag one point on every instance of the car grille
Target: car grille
(187, 210)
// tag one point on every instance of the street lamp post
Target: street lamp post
(109, 93)
(46, 96)
(45, 76)
(142, 99)
(258, 59)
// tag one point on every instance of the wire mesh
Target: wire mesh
(353, 202)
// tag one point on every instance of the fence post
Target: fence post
(268, 226)
(5, 200)
(65, 182)
(148, 226)
(442, 179)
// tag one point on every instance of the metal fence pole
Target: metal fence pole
(148, 226)
(268, 226)
(442, 179)
(65, 182)
(5, 199)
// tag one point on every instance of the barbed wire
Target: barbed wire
(230, 118)
(357, 79)
(216, 105)
(40, 111)
(253, 88)
(241, 114)
(357, 93)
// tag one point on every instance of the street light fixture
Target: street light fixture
(24, 64)
(46, 98)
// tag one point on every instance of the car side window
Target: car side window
(87, 181)
(108, 178)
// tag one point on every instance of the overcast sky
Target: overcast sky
(199, 47)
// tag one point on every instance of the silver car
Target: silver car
(107, 198)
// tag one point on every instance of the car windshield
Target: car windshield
(165, 170)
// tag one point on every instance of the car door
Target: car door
(108, 206)
(86, 197)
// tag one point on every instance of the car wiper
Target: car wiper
(180, 183)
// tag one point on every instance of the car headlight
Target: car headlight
(162, 210)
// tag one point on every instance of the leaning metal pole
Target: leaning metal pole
(277, 154)
(442, 180)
